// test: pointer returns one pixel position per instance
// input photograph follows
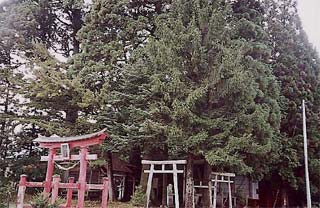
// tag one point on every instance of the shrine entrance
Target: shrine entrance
(165, 167)
(52, 183)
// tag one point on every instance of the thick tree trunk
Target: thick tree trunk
(206, 179)
(76, 26)
(72, 115)
(111, 185)
(144, 176)
(189, 183)
(3, 123)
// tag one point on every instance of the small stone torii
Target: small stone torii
(164, 170)
(221, 178)
(66, 144)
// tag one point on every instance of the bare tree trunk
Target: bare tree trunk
(77, 23)
(72, 115)
(144, 176)
(111, 185)
(189, 183)
(206, 179)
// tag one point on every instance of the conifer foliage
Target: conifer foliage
(16, 149)
(113, 30)
(296, 65)
(206, 91)
(217, 79)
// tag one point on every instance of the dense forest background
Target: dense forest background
(218, 79)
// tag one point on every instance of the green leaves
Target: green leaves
(212, 78)
(297, 74)
(202, 91)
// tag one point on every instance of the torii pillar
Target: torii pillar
(82, 175)
(50, 167)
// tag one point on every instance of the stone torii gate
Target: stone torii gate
(221, 178)
(66, 144)
(164, 170)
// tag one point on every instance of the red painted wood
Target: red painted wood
(69, 193)
(35, 184)
(50, 167)
(68, 185)
(21, 191)
(81, 143)
(72, 157)
(104, 200)
(82, 176)
(23, 180)
(55, 188)
(55, 184)
(95, 186)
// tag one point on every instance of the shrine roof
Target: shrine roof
(56, 139)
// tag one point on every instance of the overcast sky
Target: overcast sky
(309, 11)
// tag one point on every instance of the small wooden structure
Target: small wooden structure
(164, 170)
(66, 144)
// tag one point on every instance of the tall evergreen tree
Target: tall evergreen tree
(198, 93)
(199, 87)
(184, 78)
(27, 107)
(16, 149)
(57, 98)
(296, 65)
(251, 27)
(113, 29)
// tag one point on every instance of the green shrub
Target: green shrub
(41, 200)
(139, 197)
(241, 199)
(7, 191)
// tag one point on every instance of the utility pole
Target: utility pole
(305, 147)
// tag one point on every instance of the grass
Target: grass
(120, 205)
(89, 204)
(95, 204)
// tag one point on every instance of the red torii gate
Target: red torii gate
(66, 144)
